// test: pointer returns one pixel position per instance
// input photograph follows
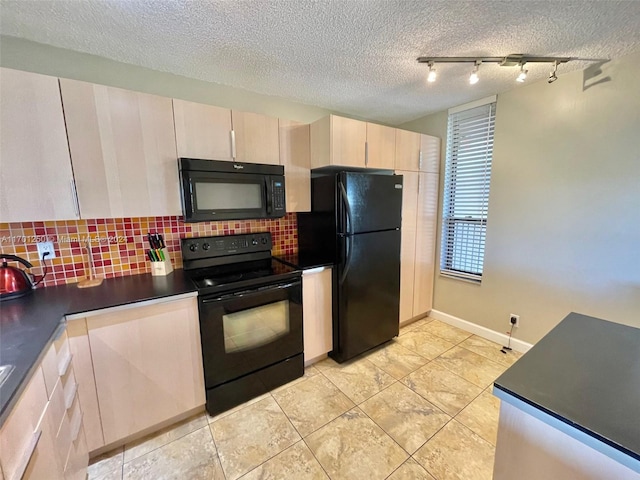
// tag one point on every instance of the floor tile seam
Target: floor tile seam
(168, 443)
(424, 466)
(460, 376)
(386, 433)
(217, 455)
(500, 364)
(442, 337)
(475, 433)
(300, 433)
(265, 461)
(315, 457)
(454, 417)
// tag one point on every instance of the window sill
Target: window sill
(461, 278)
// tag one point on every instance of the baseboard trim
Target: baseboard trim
(501, 338)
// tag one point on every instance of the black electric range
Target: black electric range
(250, 309)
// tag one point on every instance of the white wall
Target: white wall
(35, 57)
(563, 229)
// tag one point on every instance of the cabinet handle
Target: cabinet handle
(68, 401)
(366, 154)
(420, 161)
(24, 462)
(74, 198)
(75, 428)
(233, 144)
(64, 365)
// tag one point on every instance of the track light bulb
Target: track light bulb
(523, 74)
(432, 73)
(473, 78)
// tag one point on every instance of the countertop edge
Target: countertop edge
(17, 392)
(591, 439)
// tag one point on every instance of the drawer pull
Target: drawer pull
(69, 397)
(31, 447)
(64, 365)
(75, 427)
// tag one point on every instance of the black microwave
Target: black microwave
(214, 190)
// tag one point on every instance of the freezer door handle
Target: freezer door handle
(347, 207)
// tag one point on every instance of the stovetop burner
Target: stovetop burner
(222, 263)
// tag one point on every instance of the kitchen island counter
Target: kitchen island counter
(583, 379)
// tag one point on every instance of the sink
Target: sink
(5, 371)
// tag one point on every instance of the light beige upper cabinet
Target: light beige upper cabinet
(147, 363)
(202, 131)
(417, 152)
(123, 151)
(426, 225)
(338, 141)
(317, 316)
(408, 242)
(35, 168)
(381, 146)
(294, 155)
(256, 138)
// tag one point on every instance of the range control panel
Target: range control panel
(210, 247)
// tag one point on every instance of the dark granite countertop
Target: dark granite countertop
(29, 324)
(304, 261)
(585, 373)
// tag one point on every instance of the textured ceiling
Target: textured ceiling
(352, 56)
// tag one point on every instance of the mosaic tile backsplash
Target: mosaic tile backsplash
(119, 245)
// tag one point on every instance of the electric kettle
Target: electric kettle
(14, 282)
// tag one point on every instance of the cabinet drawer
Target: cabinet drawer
(78, 458)
(20, 434)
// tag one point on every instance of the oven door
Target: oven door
(211, 196)
(248, 330)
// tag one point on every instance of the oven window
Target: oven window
(255, 327)
(228, 196)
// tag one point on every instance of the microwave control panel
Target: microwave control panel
(278, 198)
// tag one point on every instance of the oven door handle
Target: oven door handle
(248, 293)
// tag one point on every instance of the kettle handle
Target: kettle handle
(15, 258)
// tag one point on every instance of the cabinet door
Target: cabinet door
(348, 139)
(148, 365)
(426, 225)
(35, 168)
(317, 316)
(202, 131)
(408, 150)
(83, 369)
(430, 154)
(381, 146)
(294, 155)
(256, 138)
(123, 151)
(408, 242)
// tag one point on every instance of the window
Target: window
(466, 190)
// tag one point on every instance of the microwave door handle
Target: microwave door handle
(268, 195)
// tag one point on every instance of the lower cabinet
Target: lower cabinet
(317, 315)
(43, 437)
(141, 366)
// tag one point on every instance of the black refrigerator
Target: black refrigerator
(355, 223)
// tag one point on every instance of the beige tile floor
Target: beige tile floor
(419, 407)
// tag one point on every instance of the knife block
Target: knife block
(160, 269)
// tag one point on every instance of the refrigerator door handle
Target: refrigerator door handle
(347, 207)
(347, 262)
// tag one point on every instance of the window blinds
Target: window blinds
(466, 195)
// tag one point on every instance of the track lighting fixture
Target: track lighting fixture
(512, 60)
(473, 78)
(523, 74)
(432, 73)
(552, 76)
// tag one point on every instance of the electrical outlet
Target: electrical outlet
(514, 320)
(46, 247)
